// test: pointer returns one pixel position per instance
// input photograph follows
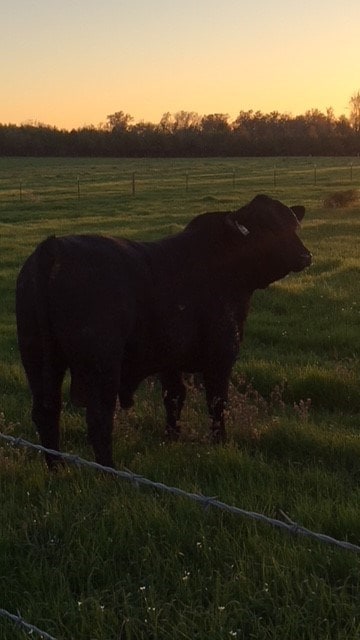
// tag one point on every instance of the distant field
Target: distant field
(223, 180)
(84, 557)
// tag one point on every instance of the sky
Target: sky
(71, 63)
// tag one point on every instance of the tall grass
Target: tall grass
(86, 557)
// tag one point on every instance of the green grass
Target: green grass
(86, 557)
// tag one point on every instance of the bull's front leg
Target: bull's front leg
(217, 389)
(174, 393)
(100, 415)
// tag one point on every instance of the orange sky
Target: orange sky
(69, 63)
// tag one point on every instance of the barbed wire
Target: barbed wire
(21, 623)
(206, 501)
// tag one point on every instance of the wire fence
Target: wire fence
(154, 178)
(20, 623)
(206, 501)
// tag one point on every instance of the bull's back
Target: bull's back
(84, 292)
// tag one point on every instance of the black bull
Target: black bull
(115, 311)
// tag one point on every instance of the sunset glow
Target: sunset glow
(72, 63)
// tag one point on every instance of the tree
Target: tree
(215, 123)
(167, 122)
(354, 118)
(119, 121)
(186, 120)
(187, 134)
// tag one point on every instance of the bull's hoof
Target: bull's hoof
(126, 402)
(218, 436)
(105, 462)
(54, 463)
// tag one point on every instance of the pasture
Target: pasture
(84, 556)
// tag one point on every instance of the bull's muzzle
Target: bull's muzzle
(306, 259)
(302, 261)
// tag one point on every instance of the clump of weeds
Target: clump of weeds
(250, 414)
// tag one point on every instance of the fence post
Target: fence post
(351, 171)
(20, 191)
(315, 174)
(133, 184)
(274, 175)
(78, 187)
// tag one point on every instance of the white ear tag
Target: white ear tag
(242, 229)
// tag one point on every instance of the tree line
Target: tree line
(188, 134)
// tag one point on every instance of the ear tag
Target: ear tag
(242, 229)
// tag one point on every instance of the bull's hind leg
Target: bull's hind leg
(46, 406)
(100, 416)
(45, 370)
(174, 393)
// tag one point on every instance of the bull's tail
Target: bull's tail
(47, 263)
(45, 260)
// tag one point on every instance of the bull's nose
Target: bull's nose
(303, 261)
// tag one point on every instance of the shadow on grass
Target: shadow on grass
(309, 446)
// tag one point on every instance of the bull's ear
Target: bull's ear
(299, 211)
(236, 226)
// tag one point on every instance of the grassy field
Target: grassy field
(87, 557)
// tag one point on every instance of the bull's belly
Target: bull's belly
(150, 357)
(136, 370)
(146, 364)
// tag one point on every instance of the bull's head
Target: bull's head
(268, 230)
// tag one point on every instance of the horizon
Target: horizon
(71, 64)
(132, 122)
